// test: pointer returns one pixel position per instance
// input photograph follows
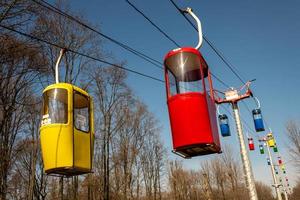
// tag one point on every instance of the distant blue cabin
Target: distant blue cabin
(258, 120)
(224, 126)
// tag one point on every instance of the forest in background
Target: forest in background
(130, 160)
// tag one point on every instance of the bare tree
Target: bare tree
(232, 172)
(152, 158)
(17, 13)
(264, 192)
(112, 98)
(207, 179)
(296, 192)
(62, 31)
(221, 177)
(184, 184)
(293, 133)
(18, 71)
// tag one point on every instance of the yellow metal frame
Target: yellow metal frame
(65, 149)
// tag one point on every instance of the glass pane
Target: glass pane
(207, 86)
(81, 112)
(257, 116)
(55, 106)
(192, 86)
(172, 82)
(179, 87)
(223, 121)
(185, 66)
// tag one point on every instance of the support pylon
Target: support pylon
(275, 184)
(232, 96)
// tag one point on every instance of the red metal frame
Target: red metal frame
(247, 94)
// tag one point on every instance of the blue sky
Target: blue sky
(260, 38)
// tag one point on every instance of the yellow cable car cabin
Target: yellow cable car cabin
(270, 140)
(67, 130)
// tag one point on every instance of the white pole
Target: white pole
(190, 11)
(276, 185)
(61, 53)
(250, 184)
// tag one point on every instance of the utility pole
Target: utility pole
(232, 96)
(275, 181)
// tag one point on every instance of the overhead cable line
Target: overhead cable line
(151, 22)
(128, 48)
(218, 52)
(247, 126)
(153, 61)
(211, 45)
(80, 53)
(124, 46)
(247, 107)
(218, 79)
(167, 36)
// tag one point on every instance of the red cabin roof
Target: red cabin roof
(182, 50)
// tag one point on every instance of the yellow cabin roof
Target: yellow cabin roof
(67, 86)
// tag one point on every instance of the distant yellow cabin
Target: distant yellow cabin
(67, 130)
(270, 140)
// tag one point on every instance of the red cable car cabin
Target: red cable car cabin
(191, 107)
(251, 144)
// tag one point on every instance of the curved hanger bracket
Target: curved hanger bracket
(218, 111)
(257, 102)
(61, 53)
(190, 11)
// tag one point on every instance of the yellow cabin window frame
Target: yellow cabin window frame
(81, 112)
(55, 106)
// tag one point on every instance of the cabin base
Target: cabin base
(67, 171)
(197, 150)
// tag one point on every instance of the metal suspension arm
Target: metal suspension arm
(257, 102)
(61, 53)
(190, 11)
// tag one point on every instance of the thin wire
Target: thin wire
(265, 122)
(167, 36)
(85, 55)
(90, 57)
(124, 46)
(218, 79)
(155, 62)
(246, 125)
(153, 24)
(81, 54)
(139, 54)
(218, 52)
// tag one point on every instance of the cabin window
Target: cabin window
(55, 106)
(184, 73)
(81, 112)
